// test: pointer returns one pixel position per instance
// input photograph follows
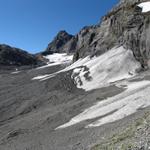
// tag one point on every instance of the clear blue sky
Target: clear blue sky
(32, 24)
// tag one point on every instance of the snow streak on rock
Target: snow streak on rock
(39, 77)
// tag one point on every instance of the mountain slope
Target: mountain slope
(14, 56)
(100, 102)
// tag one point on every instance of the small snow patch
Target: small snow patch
(48, 65)
(40, 77)
(77, 70)
(15, 72)
(57, 59)
(145, 6)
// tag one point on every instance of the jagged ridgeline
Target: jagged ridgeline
(125, 25)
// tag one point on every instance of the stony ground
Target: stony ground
(30, 111)
(135, 137)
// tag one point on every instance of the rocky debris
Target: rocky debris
(58, 45)
(135, 137)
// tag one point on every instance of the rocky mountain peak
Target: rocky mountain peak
(58, 43)
(63, 33)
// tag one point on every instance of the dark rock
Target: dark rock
(10, 56)
(58, 45)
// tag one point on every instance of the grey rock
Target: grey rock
(10, 56)
(15, 56)
(58, 45)
(125, 25)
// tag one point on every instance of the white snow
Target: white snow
(115, 108)
(78, 64)
(145, 6)
(57, 59)
(77, 70)
(49, 65)
(114, 65)
(39, 77)
(74, 65)
(15, 72)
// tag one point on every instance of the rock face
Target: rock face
(63, 42)
(10, 56)
(124, 25)
(131, 28)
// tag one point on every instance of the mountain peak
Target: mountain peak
(58, 43)
(63, 32)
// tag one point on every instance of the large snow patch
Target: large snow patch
(114, 65)
(93, 73)
(118, 107)
(57, 59)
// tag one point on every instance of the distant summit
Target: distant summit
(59, 43)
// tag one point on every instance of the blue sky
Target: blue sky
(32, 24)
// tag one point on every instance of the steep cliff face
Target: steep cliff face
(125, 25)
(132, 27)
